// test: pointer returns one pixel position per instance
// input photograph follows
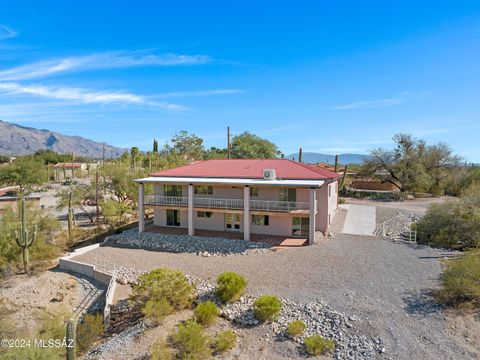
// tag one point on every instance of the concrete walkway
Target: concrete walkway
(360, 220)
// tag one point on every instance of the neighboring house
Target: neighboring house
(272, 197)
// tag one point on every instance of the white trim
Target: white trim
(229, 181)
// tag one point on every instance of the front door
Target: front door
(173, 217)
(232, 222)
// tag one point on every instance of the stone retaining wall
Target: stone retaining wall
(123, 315)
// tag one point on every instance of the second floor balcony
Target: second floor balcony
(227, 204)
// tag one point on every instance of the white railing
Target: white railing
(166, 200)
(217, 203)
(270, 205)
(220, 203)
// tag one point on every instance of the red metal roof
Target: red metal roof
(248, 168)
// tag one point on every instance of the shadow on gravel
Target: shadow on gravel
(421, 303)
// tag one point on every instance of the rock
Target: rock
(201, 246)
(399, 226)
(410, 197)
(122, 281)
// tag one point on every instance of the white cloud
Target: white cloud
(6, 32)
(84, 95)
(107, 60)
(370, 104)
(198, 93)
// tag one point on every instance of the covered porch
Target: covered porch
(274, 240)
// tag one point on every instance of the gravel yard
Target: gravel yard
(381, 283)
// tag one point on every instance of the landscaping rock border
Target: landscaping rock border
(202, 246)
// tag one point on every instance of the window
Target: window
(173, 218)
(300, 226)
(232, 222)
(254, 192)
(172, 190)
(260, 220)
(288, 194)
(329, 190)
(204, 214)
(203, 190)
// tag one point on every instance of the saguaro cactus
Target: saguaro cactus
(23, 238)
(71, 339)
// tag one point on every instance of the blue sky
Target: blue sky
(331, 77)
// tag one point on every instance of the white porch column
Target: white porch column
(141, 212)
(246, 213)
(190, 210)
(311, 220)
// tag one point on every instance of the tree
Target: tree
(215, 153)
(155, 146)
(25, 172)
(412, 165)
(134, 154)
(247, 145)
(79, 194)
(189, 147)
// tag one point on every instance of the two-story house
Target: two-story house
(258, 196)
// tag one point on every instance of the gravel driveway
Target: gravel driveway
(381, 282)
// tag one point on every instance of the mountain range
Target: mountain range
(313, 158)
(21, 140)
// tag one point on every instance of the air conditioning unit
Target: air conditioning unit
(269, 174)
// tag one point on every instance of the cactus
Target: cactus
(71, 339)
(22, 238)
(336, 163)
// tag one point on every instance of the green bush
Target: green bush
(191, 341)
(206, 313)
(452, 224)
(267, 307)
(156, 310)
(296, 328)
(163, 291)
(230, 286)
(161, 351)
(89, 330)
(316, 345)
(461, 280)
(225, 341)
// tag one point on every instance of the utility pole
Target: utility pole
(336, 163)
(300, 155)
(228, 141)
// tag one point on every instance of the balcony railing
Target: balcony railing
(233, 204)
(269, 205)
(166, 200)
(217, 203)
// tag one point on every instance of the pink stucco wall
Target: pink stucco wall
(278, 225)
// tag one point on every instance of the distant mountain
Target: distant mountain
(312, 157)
(21, 140)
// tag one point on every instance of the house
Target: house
(258, 196)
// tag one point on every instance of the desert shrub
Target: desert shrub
(316, 345)
(161, 351)
(42, 251)
(52, 326)
(163, 291)
(156, 310)
(225, 341)
(452, 224)
(206, 313)
(191, 341)
(89, 330)
(461, 280)
(230, 286)
(267, 307)
(296, 328)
